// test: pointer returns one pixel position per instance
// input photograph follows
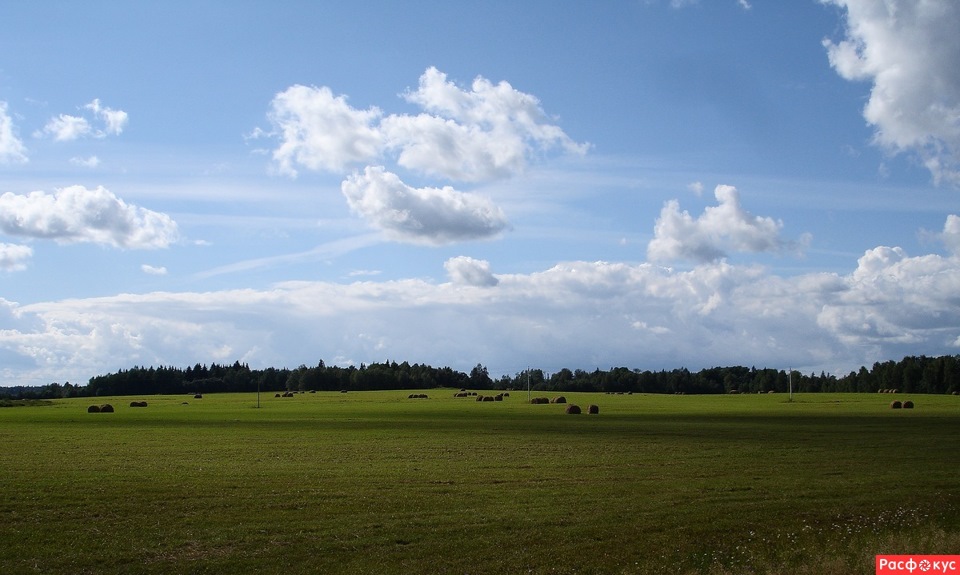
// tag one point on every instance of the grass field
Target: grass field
(374, 482)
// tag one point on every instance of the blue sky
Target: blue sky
(649, 184)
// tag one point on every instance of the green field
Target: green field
(374, 482)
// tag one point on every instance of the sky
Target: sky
(651, 184)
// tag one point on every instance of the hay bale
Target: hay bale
(908, 404)
(498, 397)
(138, 404)
(593, 409)
(506, 395)
(895, 405)
(277, 395)
(93, 409)
(198, 396)
(488, 398)
(106, 408)
(559, 399)
(539, 400)
(573, 409)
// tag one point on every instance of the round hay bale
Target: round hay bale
(559, 399)
(479, 398)
(277, 395)
(498, 397)
(895, 405)
(506, 395)
(198, 396)
(908, 404)
(573, 409)
(138, 404)
(488, 398)
(593, 409)
(93, 409)
(106, 408)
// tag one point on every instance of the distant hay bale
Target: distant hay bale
(277, 395)
(506, 395)
(138, 404)
(198, 396)
(539, 400)
(93, 409)
(488, 398)
(894, 391)
(461, 394)
(956, 393)
(479, 398)
(908, 404)
(498, 397)
(343, 391)
(417, 396)
(573, 409)
(559, 399)
(313, 391)
(895, 405)
(106, 408)
(593, 409)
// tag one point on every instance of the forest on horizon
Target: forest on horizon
(912, 374)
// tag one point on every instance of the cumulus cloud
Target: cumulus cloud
(11, 148)
(951, 234)
(320, 131)
(638, 315)
(90, 162)
(483, 133)
(909, 51)
(489, 131)
(77, 214)
(465, 270)
(153, 270)
(65, 128)
(709, 237)
(114, 120)
(486, 132)
(423, 215)
(14, 257)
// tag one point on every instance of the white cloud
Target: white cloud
(11, 148)
(677, 235)
(465, 270)
(421, 215)
(745, 4)
(641, 315)
(153, 270)
(320, 131)
(951, 234)
(114, 120)
(485, 133)
(65, 128)
(14, 257)
(909, 51)
(91, 162)
(76, 214)
(696, 188)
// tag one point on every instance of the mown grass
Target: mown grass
(378, 483)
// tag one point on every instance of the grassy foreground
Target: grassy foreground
(375, 482)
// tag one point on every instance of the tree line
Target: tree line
(912, 374)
